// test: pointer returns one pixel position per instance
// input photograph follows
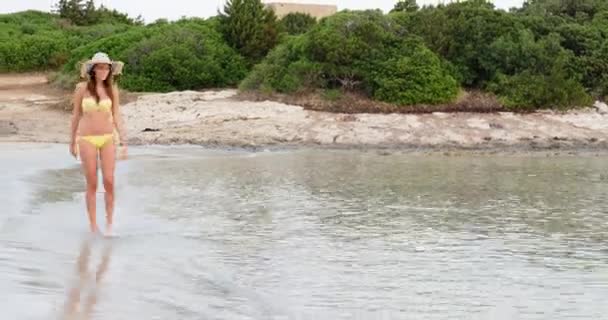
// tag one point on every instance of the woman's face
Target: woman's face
(101, 71)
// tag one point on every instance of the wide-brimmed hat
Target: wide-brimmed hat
(100, 57)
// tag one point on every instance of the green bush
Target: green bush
(297, 23)
(164, 57)
(580, 39)
(413, 78)
(520, 47)
(30, 40)
(356, 51)
(332, 95)
(405, 5)
(113, 45)
(37, 41)
(36, 19)
(533, 74)
(579, 10)
(183, 57)
(33, 52)
(350, 45)
(595, 68)
(82, 13)
(28, 28)
(285, 69)
(528, 91)
(87, 34)
(600, 22)
(461, 33)
(516, 52)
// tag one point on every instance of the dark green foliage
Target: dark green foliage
(82, 13)
(405, 6)
(528, 91)
(34, 41)
(356, 51)
(249, 28)
(297, 23)
(580, 10)
(415, 77)
(165, 57)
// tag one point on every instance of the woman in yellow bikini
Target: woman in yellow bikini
(96, 129)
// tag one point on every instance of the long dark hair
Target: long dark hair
(107, 84)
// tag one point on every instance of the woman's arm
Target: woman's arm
(76, 111)
(118, 120)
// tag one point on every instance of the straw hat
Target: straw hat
(100, 57)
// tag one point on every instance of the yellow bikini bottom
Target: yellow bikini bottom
(99, 141)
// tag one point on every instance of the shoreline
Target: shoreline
(32, 111)
(510, 151)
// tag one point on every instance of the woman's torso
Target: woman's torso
(96, 115)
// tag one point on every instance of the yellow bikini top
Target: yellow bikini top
(89, 104)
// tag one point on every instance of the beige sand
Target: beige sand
(216, 118)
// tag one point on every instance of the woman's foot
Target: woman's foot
(109, 230)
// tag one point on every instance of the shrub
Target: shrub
(417, 77)
(33, 52)
(164, 57)
(285, 69)
(297, 23)
(460, 33)
(529, 91)
(183, 57)
(37, 41)
(356, 51)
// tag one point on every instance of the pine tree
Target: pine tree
(405, 5)
(61, 7)
(90, 14)
(73, 10)
(80, 12)
(250, 28)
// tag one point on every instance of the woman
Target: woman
(96, 118)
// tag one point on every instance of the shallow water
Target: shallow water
(306, 234)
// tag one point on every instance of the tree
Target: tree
(82, 13)
(297, 23)
(106, 15)
(250, 28)
(90, 14)
(405, 6)
(582, 10)
(73, 10)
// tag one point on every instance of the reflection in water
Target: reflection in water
(84, 294)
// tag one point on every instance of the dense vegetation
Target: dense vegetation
(546, 54)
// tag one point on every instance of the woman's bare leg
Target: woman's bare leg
(108, 164)
(88, 154)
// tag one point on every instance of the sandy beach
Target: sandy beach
(33, 111)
